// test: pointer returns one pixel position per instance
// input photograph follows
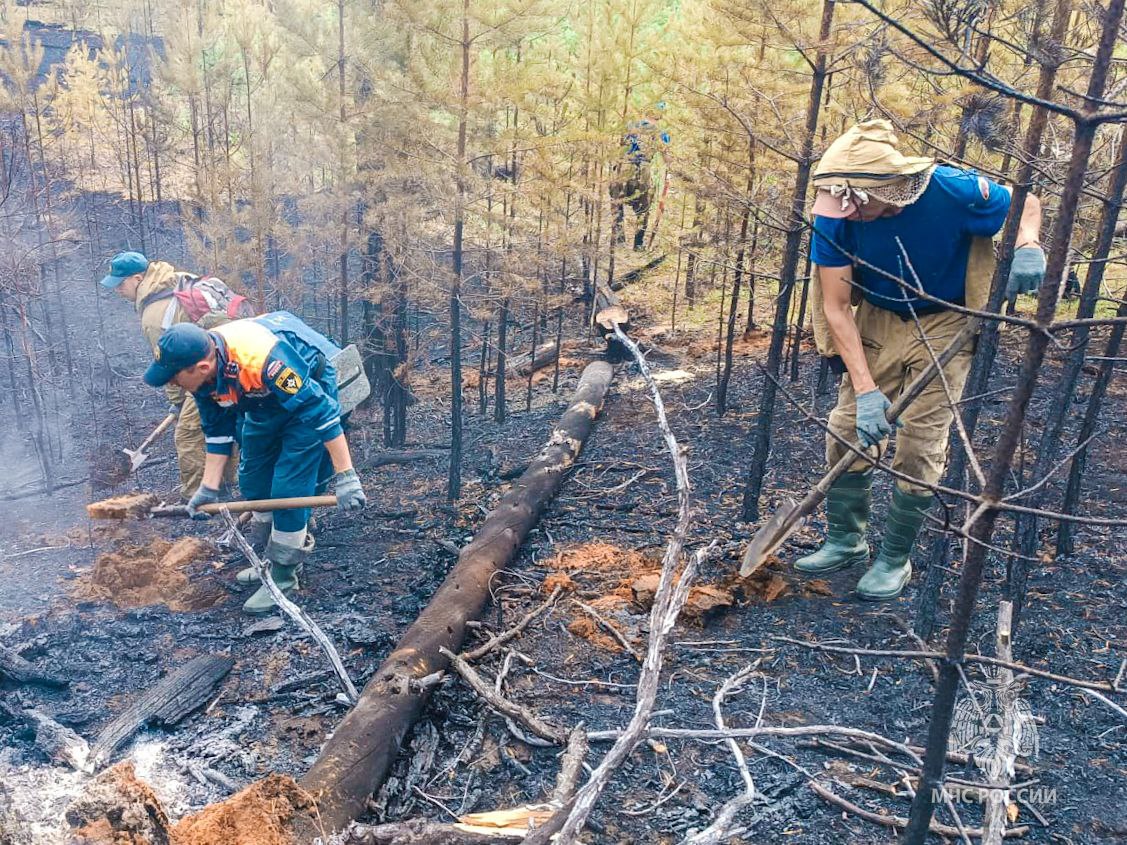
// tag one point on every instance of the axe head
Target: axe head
(769, 537)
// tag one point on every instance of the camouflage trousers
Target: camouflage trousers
(897, 352)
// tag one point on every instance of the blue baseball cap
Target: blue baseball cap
(179, 347)
(124, 265)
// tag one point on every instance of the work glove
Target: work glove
(1027, 270)
(174, 410)
(872, 424)
(350, 495)
(204, 496)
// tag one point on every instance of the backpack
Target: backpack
(206, 300)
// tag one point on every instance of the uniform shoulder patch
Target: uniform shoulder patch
(272, 368)
(984, 187)
(288, 381)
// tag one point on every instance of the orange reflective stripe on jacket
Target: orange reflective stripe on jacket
(248, 345)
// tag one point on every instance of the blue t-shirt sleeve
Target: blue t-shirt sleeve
(827, 236)
(983, 202)
(287, 376)
(218, 423)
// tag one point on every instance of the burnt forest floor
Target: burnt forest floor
(372, 573)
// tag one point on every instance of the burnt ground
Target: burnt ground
(373, 572)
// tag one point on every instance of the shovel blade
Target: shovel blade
(769, 537)
(136, 458)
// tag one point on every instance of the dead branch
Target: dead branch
(1104, 686)
(15, 668)
(611, 629)
(513, 632)
(501, 704)
(668, 601)
(900, 822)
(292, 610)
(568, 780)
(722, 827)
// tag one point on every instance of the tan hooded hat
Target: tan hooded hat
(866, 162)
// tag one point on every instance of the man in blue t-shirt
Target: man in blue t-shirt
(893, 235)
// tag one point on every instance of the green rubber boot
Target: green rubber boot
(891, 570)
(285, 562)
(847, 517)
(246, 577)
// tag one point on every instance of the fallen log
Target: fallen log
(356, 758)
(165, 703)
(404, 456)
(544, 354)
(15, 668)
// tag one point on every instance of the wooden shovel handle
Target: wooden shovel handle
(288, 504)
(157, 432)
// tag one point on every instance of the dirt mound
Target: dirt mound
(602, 557)
(135, 576)
(261, 814)
(118, 809)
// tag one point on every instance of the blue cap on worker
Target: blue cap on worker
(181, 346)
(122, 266)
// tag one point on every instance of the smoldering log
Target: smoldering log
(15, 668)
(165, 703)
(356, 758)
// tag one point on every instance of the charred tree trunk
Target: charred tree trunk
(1026, 529)
(357, 757)
(982, 529)
(762, 442)
(499, 401)
(1087, 429)
(987, 350)
(454, 476)
(733, 310)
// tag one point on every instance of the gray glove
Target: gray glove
(350, 495)
(1027, 270)
(872, 424)
(204, 496)
(174, 410)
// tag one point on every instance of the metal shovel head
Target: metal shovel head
(136, 458)
(352, 382)
(769, 537)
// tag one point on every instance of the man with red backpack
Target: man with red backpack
(164, 297)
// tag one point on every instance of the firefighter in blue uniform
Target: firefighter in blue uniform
(275, 371)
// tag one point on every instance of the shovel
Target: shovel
(788, 517)
(138, 456)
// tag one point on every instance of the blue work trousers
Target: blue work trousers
(282, 457)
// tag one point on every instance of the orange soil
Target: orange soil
(136, 576)
(262, 814)
(601, 557)
(119, 809)
(587, 628)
